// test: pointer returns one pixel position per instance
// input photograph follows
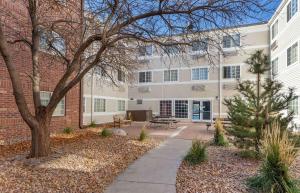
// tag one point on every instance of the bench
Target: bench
(120, 119)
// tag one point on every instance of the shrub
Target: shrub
(278, 153)
(143, 135)
(93, 124)
(105, 133)
(219, 137)
(67, 130)
(249, 154)
(197, 153)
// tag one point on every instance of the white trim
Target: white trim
(159, 99)
(104, 113)
(283, 50)
(105, 97)
(224, 49)
(297, 61)
(188, 67)
(201, 80)
(145, 75)
(192, 82)
(178, 74)
(287, 25)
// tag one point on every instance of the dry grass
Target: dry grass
(274, 136)
(85, 163)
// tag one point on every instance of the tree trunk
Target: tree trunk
(40, 139)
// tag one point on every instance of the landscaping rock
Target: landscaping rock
(85, 164)
(119, 132)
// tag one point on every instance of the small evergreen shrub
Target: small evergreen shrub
(143, 135)
(197, 153)
(219, 137)
(279, 153)
(105, 133)
(67, 130)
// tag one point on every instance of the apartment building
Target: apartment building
(103, 99)
(187, 85)
(67, 113)
(284, 49)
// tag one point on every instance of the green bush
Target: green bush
(105, 133)
(67, 130)
(143, 135)
(197, 153)
(279, 153)
(219, 137)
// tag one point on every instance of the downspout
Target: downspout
(92, 93)
(81, 81)
(220, 86)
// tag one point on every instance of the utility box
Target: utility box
(139, 115)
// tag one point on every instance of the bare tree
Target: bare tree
(117, 25)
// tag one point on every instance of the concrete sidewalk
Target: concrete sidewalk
(156, 171)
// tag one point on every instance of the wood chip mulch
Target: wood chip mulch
(223, 172)
(87, 163)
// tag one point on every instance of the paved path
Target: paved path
(156, 171)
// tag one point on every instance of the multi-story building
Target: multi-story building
(284, 49)
(189, 85)
(102, 99)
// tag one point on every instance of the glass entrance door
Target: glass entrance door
(201, 111)
(196, 110)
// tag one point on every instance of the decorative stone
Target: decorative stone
(118, 131)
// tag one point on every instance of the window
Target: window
(145, 77)
(292, 8)
(231, 72)
(99, 105)
(166, 108)
(170, 75)
(45, 99)
(294, 107)
(231, 41)
(275, 67)
(53, 42)
(139, 101)
(181, 109)
(121, 76)
(121, 105)
(292, 54)
(146, 50)
(174, 49)
(200, 74)
(199, 46)
(274, 31)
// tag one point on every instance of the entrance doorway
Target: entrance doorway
(201, 110)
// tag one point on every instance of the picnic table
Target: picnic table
(169, 121)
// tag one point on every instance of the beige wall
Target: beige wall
(102, 88)
(252, 39)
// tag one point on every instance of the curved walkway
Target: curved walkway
(156, 171)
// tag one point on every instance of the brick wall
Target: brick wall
(12, 127)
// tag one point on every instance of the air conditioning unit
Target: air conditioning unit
(229, 86)
(199, 88)
(144, 89)
(198, 55)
